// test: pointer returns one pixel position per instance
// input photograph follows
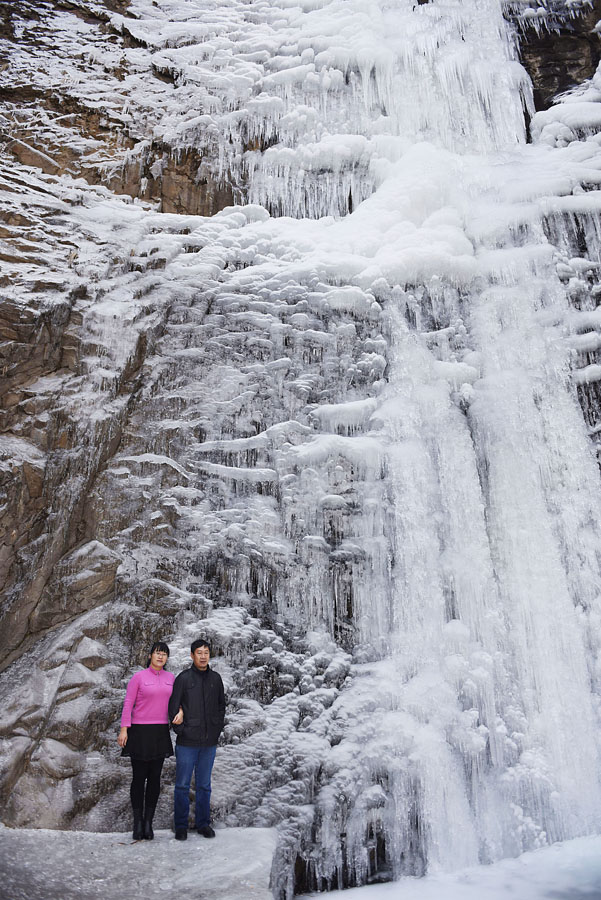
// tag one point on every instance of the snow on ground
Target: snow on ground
(568, 871)
(38, 864)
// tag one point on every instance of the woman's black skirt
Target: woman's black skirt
(148, 742)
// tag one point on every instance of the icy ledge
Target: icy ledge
(567, 871)
(80, 865)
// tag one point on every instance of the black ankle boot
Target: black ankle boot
(138, 832)
(148, 816)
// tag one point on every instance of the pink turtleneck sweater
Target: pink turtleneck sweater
(146, 698)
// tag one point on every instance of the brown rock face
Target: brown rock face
(177, 181)
(50, 454)
(559, 60)
(83, 579)
(59, 130)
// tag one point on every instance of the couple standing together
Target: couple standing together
(194, 703)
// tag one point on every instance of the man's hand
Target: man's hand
(179, 718)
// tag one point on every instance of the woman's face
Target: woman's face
(158, 659)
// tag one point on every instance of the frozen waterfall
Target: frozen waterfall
(445, 511)
(361, 459)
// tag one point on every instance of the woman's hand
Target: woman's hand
(179, 718)
(122, 739)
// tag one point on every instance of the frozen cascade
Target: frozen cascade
(305, 104)
(480, 610)
(356, 461)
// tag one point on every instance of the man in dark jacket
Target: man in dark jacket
(199, 692)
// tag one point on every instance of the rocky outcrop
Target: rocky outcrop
(563, 55)
(81, 580)
(60, 126)
(51, 453)
(178, 181)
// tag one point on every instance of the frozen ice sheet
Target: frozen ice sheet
(38, 864)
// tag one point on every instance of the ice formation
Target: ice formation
(357, 461)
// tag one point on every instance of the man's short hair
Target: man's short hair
(199, 643)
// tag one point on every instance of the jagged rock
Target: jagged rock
(92, 654)
(59, 129)
(177, 180)
(80, 581)
(22, 469)
(29, 156)
(62, 705)
(562, 58)
(56, 759)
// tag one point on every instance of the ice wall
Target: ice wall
(303, 104)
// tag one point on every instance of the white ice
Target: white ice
(78, 865)
(568, 871)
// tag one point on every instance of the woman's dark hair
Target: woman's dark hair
(158, 645)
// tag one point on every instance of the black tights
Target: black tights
(145, 783)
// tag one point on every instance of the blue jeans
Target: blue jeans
(200, 761)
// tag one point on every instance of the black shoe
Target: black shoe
(148, 832)
(181, 834)
(206, 831)
(138, 832)
(147, 822)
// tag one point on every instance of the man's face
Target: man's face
(200, 658)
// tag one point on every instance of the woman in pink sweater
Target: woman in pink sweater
(145, 737)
